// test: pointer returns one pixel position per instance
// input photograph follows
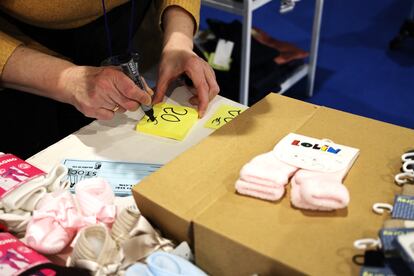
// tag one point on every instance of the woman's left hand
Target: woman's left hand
(178, 58)
(174, 63)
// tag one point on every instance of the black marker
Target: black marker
(130, 68)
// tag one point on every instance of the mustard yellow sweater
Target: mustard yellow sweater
(63, 14)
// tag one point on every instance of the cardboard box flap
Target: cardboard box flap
(341, 127)
(302, 241)
(184, 187)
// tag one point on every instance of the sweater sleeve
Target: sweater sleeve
(11, 38)
(191, 6)
(7, 46)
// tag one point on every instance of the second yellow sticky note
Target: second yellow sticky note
(171, 121)
(223, 115)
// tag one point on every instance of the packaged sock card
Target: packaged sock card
(16, 257)
(313, 154)
(316, 169)
(14, 172)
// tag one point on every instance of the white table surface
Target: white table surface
(117, 139)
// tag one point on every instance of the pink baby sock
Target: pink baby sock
(319, 190)
(296, 197)
(265, 176)
(96, 201)
(271, 193)
(54, 223)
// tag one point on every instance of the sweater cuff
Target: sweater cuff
(7, 46)
(191, 6)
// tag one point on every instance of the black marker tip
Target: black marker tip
(150, 114)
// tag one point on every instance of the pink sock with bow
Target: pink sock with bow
(54, 223)
(58, 218)
(96, 201)
(265, 177)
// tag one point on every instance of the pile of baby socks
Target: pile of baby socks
(60, 215)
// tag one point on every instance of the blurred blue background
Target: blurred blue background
(357, 72)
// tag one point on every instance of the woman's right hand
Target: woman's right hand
(99, 92)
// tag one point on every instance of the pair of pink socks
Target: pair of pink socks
(265, 177)
(59, 215)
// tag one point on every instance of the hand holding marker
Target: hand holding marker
(130, 68)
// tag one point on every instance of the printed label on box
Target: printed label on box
(16, 257)
(376, 271)
(388, 237)
(14, 172)
(403, 207)
(314, 154)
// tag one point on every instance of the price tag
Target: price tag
(223, 115)
(171, 121)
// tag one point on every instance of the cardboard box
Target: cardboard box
(193, 197)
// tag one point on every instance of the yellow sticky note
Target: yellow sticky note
(171, 121)
(223, 115)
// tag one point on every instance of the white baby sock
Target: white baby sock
(28, 194)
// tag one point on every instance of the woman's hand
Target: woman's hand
(175, 62)
(178, 58)
(99, 92)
